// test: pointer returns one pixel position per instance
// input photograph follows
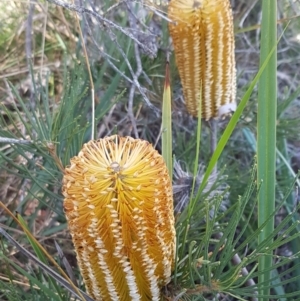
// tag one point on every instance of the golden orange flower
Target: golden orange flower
(203, 39)
(119, 207)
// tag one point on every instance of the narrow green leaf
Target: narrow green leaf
(266, 136)
(166, 136)
(232, 123)
(40, 255)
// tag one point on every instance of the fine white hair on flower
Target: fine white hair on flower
(183, 185)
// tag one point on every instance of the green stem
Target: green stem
(266, 135)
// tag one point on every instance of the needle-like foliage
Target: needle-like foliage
(45, 119)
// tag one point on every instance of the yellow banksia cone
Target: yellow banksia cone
(203, 39)
(119, 207)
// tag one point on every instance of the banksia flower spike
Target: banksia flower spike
(202, 33)
(119, 207)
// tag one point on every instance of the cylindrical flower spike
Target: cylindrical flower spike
(119, 208)
(203, 39)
